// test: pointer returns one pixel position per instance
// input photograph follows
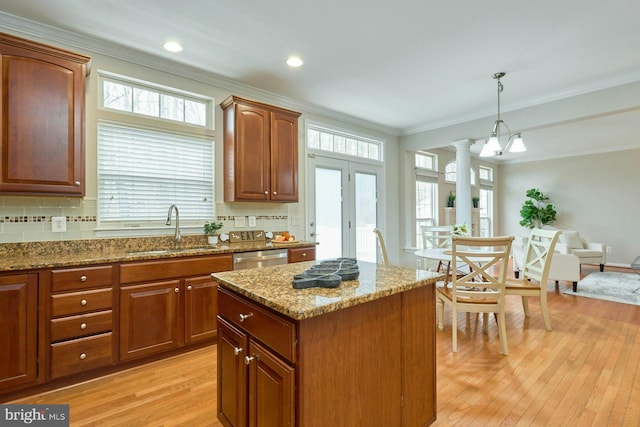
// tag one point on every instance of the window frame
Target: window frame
(154, 226)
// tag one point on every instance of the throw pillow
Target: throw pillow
(571, 239)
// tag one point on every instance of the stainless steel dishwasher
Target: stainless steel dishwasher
(257, 259)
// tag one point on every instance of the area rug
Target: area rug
(610, 286)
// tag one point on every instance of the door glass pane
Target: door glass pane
(365, 196)
(328, 213)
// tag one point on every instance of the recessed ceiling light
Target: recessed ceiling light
(294, 61)
(173, 46)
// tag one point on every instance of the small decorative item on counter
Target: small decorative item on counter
(284, 237)
(327, 274)
(462, 229)
(211, 230)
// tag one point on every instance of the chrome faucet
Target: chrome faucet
(177, 235)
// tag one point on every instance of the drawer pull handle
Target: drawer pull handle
(304, 254)
(248, 359)
(83, 356)
(83, 278)
(83, 326)
(237, 350)
(244, 317)
(189, 287)
(83, 302)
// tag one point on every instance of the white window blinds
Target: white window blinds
(142, 172)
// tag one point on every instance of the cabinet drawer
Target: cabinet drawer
(82, 325)
(302, 254)
(81, 278)
(277, 332)
(79, 355)
(81, 302)
(169, 269)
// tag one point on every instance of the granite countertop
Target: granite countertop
(271, 287)
(35, 255)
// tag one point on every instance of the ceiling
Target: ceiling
(404, 66)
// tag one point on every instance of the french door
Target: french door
(345, 205)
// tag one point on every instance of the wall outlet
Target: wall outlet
(239, 222)
(58, 224)
(608, 249)
(252, 221)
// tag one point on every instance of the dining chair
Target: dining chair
(535, 273)
(437, 237)
(479, 290)
(383, 247)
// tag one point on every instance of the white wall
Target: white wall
(597, 195)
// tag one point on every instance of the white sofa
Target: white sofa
(563, 266)
(570, 242)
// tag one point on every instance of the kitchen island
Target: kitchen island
(359, 354)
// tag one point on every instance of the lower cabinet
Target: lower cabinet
(256, 386)
(168, 304)
(18, 330)
(149, 318)
(81, 320)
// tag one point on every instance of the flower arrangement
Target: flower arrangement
(211, 228)
(461, 229)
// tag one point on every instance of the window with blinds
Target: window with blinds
(142, 172)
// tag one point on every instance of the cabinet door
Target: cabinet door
(284, 157)
(201, 309)
(149, 318)
(18, 333)
(271, 389)
(232, 375)
(42, 121)
(252, 157)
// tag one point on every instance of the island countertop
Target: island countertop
(272, 287)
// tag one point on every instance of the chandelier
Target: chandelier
(493, 146)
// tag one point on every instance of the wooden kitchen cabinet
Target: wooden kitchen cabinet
(167, 304)
(42, 119)
(325, 370)
(81, 324)
(256, 376)
(19, 330)
(260, 152)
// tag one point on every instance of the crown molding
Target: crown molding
(30, 29)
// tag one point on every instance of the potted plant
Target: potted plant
(476, 201)
(536, 212)
(451, 199)
(211, 230)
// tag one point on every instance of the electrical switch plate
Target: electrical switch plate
(239, 221)
(252, 221)
(58, 223)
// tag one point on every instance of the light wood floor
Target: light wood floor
(583, 373)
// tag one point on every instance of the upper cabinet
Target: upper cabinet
(42, 119)
(260, 152)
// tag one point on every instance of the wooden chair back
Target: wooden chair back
(539, 253)
(383, 247)
(481, 256)
(436, 236)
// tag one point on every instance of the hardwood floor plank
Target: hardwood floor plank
(585, 372)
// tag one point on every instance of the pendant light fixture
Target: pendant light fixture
(493, 146)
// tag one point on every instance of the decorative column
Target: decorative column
(463, 181)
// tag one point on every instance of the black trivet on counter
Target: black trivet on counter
(327, 274)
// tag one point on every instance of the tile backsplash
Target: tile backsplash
(28, 219)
